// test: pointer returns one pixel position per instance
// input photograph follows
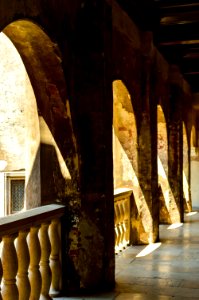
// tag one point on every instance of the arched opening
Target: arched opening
(19, 134)
(186, 187)
(37, 137)
(124, 158)
(129, 201)
(193, 143)
(167, 204)
(194, 161)
(124, 137)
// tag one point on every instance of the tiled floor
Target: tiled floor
(171, 271)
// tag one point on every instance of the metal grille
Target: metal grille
(17, 194)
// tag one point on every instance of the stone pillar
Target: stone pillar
(189, 178)
(186, 171)
(92, 256)
(154, 162)
(145, 215)
(175, 158)
(194, 167)
(144, 220)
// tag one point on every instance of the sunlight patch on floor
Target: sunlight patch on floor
(149, 249)
(191, 213)
(174, 226)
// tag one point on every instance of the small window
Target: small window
(14, 192)
(16, 195)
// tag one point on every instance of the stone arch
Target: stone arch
(57, 149)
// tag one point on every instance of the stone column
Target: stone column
(145, 213)
(175, 157)
(92, 256)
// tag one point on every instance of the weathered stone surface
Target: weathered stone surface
(73, 51)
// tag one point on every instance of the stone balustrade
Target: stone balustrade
(30, 256)
(122, 218)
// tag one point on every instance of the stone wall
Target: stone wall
(73, 51)
(19, 130)
(125, 137)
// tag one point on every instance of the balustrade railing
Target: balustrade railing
(30, 254)
(122, 218)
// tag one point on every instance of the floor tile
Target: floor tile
(171, 272)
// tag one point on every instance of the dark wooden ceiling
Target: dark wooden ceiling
(175, 24)
(178, 37)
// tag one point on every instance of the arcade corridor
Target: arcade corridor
(169, 270)
(99, 149)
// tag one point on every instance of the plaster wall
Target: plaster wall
(124, 137)
(195, 183)
(94, 42)
(194, 178)
(19, 129)
(13, 95)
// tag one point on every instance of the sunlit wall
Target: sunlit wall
(162, 139)
(19, 126)
(194, 169)
(124, 137)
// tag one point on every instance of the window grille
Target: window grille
(14, 192)
(17, 194)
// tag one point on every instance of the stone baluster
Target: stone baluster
(115, 223)
(55, 264)
(123, 201)
(117, 226)
(44, 262)
(35, 255)
(10, 266)
(23, 264)
(118, 223)
(121, 222)
(1, 272)
(127, 220)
